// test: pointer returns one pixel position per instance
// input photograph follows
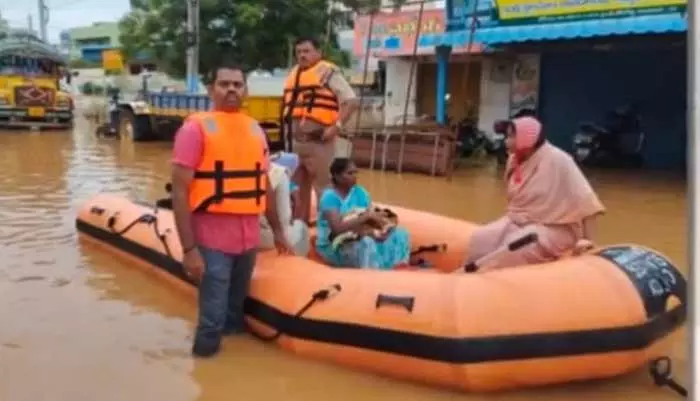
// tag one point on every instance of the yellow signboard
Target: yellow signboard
(519, 9)
(112, 60)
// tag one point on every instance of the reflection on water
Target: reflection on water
(79, 324)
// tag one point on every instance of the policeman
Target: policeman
(317, 102)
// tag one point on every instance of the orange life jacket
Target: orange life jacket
(305, 96)
(230, 178)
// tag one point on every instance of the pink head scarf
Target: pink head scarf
(527, 132)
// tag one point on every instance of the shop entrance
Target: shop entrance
(583, 85)
(462, 97)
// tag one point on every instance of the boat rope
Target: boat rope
(429, 248)
(320, 295)
(146, 218)
(660, 370)
(162, 237)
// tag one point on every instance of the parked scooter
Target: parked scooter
(618, 142)
(471, 140)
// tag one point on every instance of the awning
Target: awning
(661, 23)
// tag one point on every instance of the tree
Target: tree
(253, 33)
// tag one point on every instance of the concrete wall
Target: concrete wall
(97, 30)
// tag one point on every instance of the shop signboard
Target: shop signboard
(112, 60)
(539, 11)
(394, 34)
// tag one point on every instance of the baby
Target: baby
(378, 229)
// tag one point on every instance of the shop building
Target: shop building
(577, 63)
(392, 42)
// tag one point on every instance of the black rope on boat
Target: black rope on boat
(320, 295)
(660, 370)
(162, 237)
(429, 248)
(97, 210)
(144, 218)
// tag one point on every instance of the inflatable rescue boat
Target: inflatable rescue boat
(599, 315)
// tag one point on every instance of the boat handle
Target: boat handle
(97, 210)
(406, 302)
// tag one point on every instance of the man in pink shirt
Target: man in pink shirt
(218, 248)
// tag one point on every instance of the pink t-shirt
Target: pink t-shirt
(228, 233)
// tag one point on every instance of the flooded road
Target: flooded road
(77, 323)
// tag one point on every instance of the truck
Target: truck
(30, 88)
(156, 116)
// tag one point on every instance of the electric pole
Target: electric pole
(43, 19)
(192, 46)
(30, 22)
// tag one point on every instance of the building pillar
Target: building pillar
(443, 60)
(449, 12)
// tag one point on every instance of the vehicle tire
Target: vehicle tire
(131, 128)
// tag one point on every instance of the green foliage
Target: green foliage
(91, 88)
(364, 6)
(4, 25)
(256, 34)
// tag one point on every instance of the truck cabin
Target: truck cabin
(31, 81)
(32, 68)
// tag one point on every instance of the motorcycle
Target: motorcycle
(471, 141)
(618, 142)
(469, 137)
(474, 141)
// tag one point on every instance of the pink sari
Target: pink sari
(547, 195)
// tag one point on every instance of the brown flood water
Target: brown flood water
(76, 323)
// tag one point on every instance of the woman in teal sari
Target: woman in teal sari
(346, 196)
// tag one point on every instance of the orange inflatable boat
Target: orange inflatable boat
(595, 316)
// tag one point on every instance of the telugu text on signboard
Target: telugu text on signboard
(526, 9)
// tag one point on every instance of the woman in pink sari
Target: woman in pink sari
(547, 195)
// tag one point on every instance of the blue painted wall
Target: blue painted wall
(583, 85)
(93, 53)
